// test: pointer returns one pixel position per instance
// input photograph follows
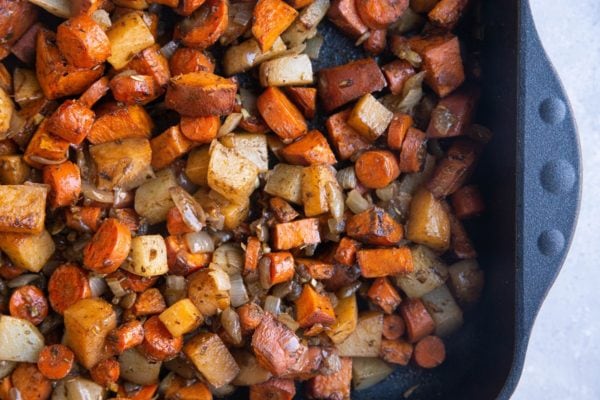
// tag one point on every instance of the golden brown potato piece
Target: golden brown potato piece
(211, 357)
(22, 208)
(83, 42)
(120, 122)
(123, 163)
(128, 36)
(13, 170)
(428, 222)
(200, 94)
(57, 77)
(30, 252)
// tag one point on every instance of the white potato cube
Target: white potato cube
(446, 314)
(148, 256)
(287, 71)
(230, 174)
(429, 272)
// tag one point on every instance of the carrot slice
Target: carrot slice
(152, 62)
(393, 327)
(28, 302)
(378, 14)
(467, 202)
(397, 73)
(204, 27)
(72, 121)
(398, 129)
(67, 285)
(417, 319)
(310, 149)
(376, 169)
(396, 351)
(413, 151)
(159, 344)
(186, 60)
(149, 302)
(109, 247)
(83, 42)
(281, 114)
(126, 336)
(55, 361)
(168, 146)
(65, 183)
(383, 294)
(376, 42)
(253, 249)
(106, 372)
(200, 129)
(30, 382)
(283, 211)
(134, 89)
(250, 316)
(305, 98)
(430, 352)
(95, 92)
(83, 219)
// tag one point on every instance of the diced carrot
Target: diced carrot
(106, 372)
(383, 294)
(44, 146)
(430, 352)
(344, 15)
(271, 19)
(459, 239)
(55, 361)
(467, 202)
(454, 169)
(447, 13)
(9, 271)
(79, 7)
(283, 211)
(376, 42)
(67, 285)
(5, 387)
(345, 252)
(28, 302)
(159, 344)
(396, 351)
(273, 389)
(296, 234)
(175, 223)
(134, 89)
(313, 308)
(374, 226)
(109, 247)
(186, 60)
(310, 149)
(187, 7)
(305, 99)
(378, 14)
(453, 114)
(126, 336)
(250, 316)
(83, 42)
(413, 152)
(30, 383)
(95, 92)
(277, 348)
(397, 73)
(72, 121)
(253, 250)
(168, 146)
(200, 129)
(417, 319)
(24, 48)
(201, 94)
(333, 386)
(152, 62)
(128, 217)
(116, 121)
(281, 266)
(375, 263)
(65, 183)
(316, 269)
(393, 327)
(149, 302)
(195, 391)
(205, 26)
(441, 61)
(83, 219)
(346, 140)
(133, 282)
(375, 169)
(398, 129)
(281, 114)
(344, 83)
(180, 260)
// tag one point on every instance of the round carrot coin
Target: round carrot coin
(378, 14)
(109, 247)
(30, 382)
(376, 169)
(67, 285)
(106, 372)
(430, 352)
(55, 361)
(159, 344)
(28, 302)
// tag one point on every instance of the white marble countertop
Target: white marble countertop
(563, 360)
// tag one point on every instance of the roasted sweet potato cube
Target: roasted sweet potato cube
(17, 16)
(204, 27)
(181, 318)
(397, 73)
(294, 234)
(72, 121)
(396, 351)
(383, 294)
(344, 83)
(120, 122)
(441, 61)
(417, 319)
(274, 389)
(130, 88)
(313, 308)
(44, 147)
(455, 168)
(95, 92)
(281, 114)
(83, 42)
(305, 99)
(200, 94)
(149, 302)
(283, 211)
(397, 130)
(58, 78)
(375, 263)
(281, 266)
(447, 13)
(345, 253)
(22, 208)
(277, 348)
(152, 62)
(85, 6)
(310, 149)
(453, 114)
(334, 386)
(250, 317)
(344, 15)
(346, 140)
(168, 146)
(186, 60)
(271, 19)
(374, 226)
(317, 269)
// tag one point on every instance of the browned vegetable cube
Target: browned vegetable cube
(199, 94)
(22, 208)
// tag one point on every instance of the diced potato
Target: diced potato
(314, 189)
(153, 200)
(248, 54)
(212, 359)
(367, 372)
(365, 341)
(87, 323)
(285, 181)
(253, 146)
(7, 108)
(122, 164)
(20, 340)
(466, 281)
(428, 222)
(30, 252)
(196, 168)
(446, 314)
(26, 86)
(22, 208)
(346, 319)
(230, 174)
(201, 94)
(148, 256)
(209, 289)
(251, 372)
(181, 318)
(234, 213)
(128, 36)
(13, 170)
(136, 368)
(370, 118)
(287, 71)
(305, 26)
(79, 388)
(428, 273)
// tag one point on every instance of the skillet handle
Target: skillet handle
(551, 171)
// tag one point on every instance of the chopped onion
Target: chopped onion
(97, 285)
(264, 272)
(238, 294)
(356, 203)
(230, 124)
(288, 321)
(336, 225)
(230, 258)
(347, 178)
(231, 323)
(199, 242)
(191, 212)
(272, 305)
(408, 21)
(248, 100)
(14, 394)
(128, 300)
(6, 368)
(282, 290)
(242, 13)
(313, 47)
(185, 183)
(46, 161)
(223, 391)
(220, 237)
(22, 280)
(91, 192)
(102, 18)
(363, 38)
(387, 193)
(115, 287)
(175, 289)
(335, 199)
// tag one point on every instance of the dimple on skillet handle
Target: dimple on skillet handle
(551, 171)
